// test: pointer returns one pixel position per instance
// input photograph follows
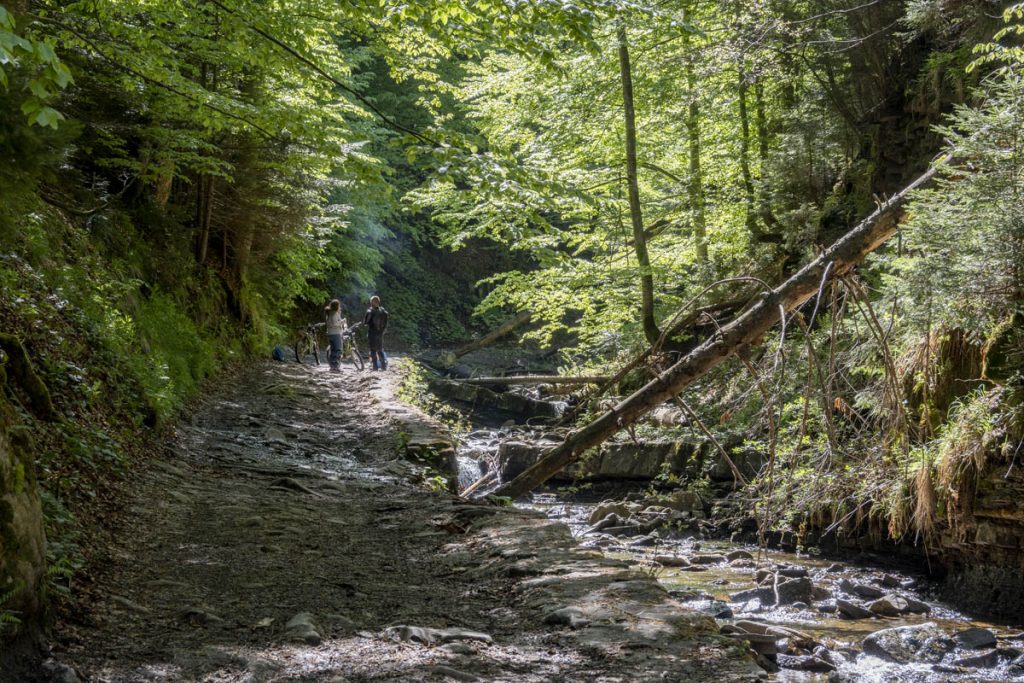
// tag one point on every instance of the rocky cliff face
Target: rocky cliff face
(984, 550)
(22, 539)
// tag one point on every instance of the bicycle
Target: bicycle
(349, 349)
(308, 343)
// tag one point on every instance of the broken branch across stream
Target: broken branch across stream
(744, 331)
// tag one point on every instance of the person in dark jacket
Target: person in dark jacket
(376, 321)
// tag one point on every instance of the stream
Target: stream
(811, 618)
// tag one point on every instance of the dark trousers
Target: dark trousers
(334, 354)
(377, 355)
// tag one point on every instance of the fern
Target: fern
(8, 618)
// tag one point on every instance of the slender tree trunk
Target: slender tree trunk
(746, 330)
(748, 179)
(696, 185)
(650, 325)
(204, 212)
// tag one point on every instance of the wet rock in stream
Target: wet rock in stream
(904, 644)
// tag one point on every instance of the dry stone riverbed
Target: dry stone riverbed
(285, 535)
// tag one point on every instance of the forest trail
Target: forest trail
(285, 538)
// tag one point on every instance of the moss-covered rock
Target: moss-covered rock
(19, 367)
(22, 537)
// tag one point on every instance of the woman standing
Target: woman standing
(336, 326)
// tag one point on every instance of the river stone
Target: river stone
(916, 606)
(738, 555)
(985, 660)
(851, 610)
(890, 581)
(301, 628)
(889, 606)
(761, 643)
(672, 560)
(707, 559)
(821, 593)
(795, 590)
(605, 522)
(804, 663)
(902, 643)
(606, 508)
(860, 589)
(567, 616)
(975, 638)
(935, 649)
(644, 541)
(792, 571)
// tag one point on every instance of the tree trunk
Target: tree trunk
(495, 334)
(538, 379)
(204, 212)
(746, 330)
(748, 179)
(696, 188)
(650, 325)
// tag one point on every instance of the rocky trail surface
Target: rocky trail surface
(284, 536)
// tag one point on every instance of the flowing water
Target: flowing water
(709, 588)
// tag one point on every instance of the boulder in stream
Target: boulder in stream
(795, 590)
(902, 643)
(804, 663)
(975, 638)
(862, 590)
(985, 660)
(891, 605)
(852, 610)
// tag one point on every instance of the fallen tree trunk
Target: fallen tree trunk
(537, 379)
(495, 334)
(744, 331)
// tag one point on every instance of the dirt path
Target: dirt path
(285, 538)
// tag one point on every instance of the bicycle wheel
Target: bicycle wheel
(357, 358)
(316, 351)
(298, 357)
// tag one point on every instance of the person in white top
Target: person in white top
(336, 326)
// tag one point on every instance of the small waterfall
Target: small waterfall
(469, 471)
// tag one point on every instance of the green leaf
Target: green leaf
(39, 89)
(30, 106)
(45, 52)
(48, 116)
(61, 74)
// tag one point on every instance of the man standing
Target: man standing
(376, 321)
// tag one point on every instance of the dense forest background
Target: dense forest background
(184, 184)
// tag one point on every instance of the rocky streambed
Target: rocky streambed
(808, 618)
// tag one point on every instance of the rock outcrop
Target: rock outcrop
(22, 539)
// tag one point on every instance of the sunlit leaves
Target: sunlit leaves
(36, 56)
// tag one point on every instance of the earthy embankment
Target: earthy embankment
(284, 535)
